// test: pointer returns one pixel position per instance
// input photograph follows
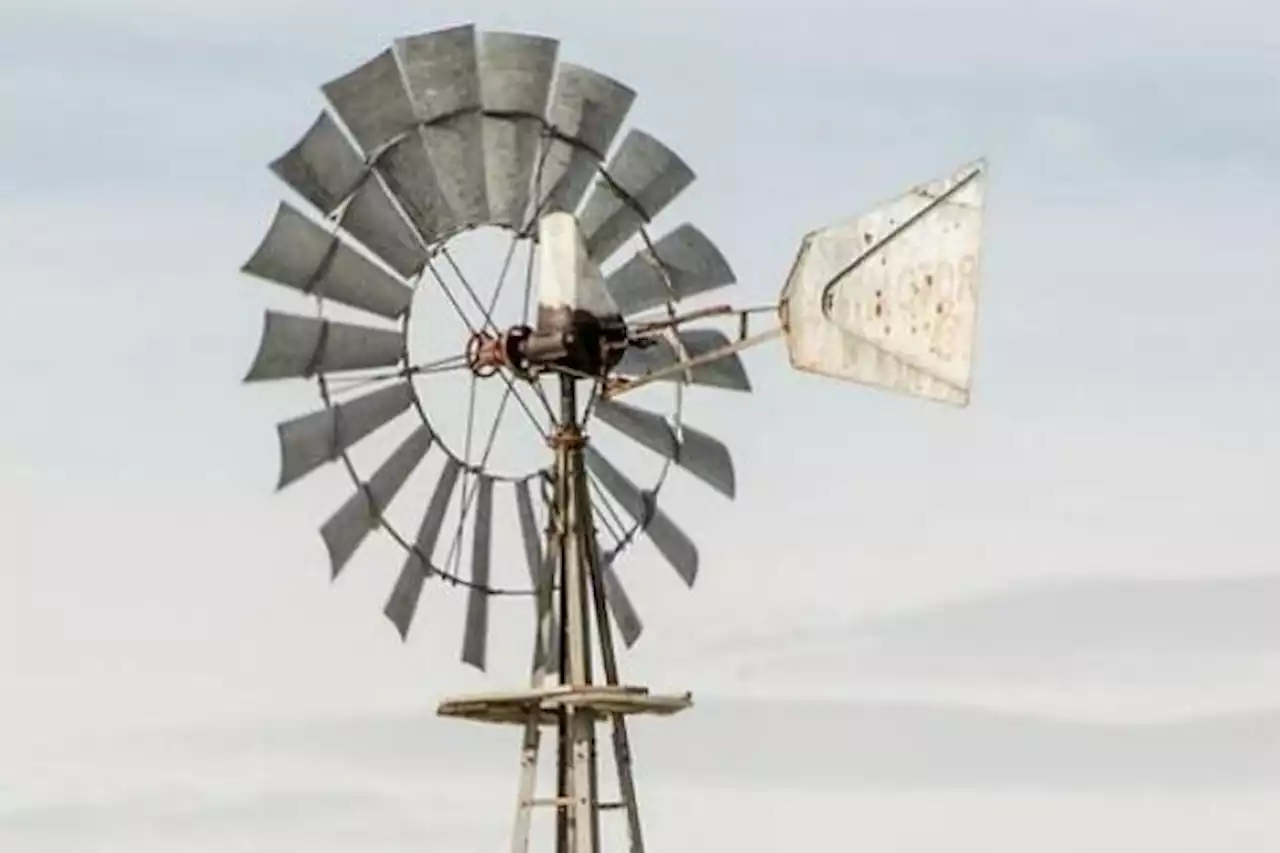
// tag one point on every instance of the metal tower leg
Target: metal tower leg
(544, 647)
(582, 813)
(577, 704)
(621, 743)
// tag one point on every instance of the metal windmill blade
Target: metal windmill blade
(458, 130)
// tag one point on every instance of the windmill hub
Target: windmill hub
(574, 341)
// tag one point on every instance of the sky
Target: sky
(1045, 619)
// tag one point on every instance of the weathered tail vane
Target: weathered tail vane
(890, 298)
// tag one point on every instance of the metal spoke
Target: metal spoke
(343, 384)
(453, 300)
(439, 365)
(606, 525)
(447, 575)
(469, 494)
(614, 523)
(505, 378)
(470, 291)
(502, 276)
(533, 419)
(497, 291)
(346, 384)
(470, 477)
(528, 283)
(597, 386)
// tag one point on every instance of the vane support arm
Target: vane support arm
(617, 385)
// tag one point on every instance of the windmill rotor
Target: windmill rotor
(398, 166)
(460, 132)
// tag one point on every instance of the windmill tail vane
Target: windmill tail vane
(459, 130)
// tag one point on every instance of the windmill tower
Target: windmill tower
(454, 131)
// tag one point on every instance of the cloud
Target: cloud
(1191, 85)
(395, 782)
(837, 744)
(311, 819)
(1104, 631)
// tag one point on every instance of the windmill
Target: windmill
(456, 131)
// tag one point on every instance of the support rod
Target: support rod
(619, 386)
(577, 620)
(564, 758)
(608, 655)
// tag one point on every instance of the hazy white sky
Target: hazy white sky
(1037, 588)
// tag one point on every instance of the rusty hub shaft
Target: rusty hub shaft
(584, 345)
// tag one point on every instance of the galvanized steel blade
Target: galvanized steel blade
(728, 372)
(530, 536)
(372, 102)
(441, 71)
(347, 528)
(670, 540)
(476, 631)
(890, 298)
(692, 263)
(403, 603)
(406, 168)
(456, 149)
(624, 612)
(515, 84)
(588, 108)
(372, 218)
(540, 566)
(705, 457)
(294, 347)
(642, 178)
(322, 167)
(300, 254)
(309, 441)
(516, 70)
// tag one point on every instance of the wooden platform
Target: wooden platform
(515, 707)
